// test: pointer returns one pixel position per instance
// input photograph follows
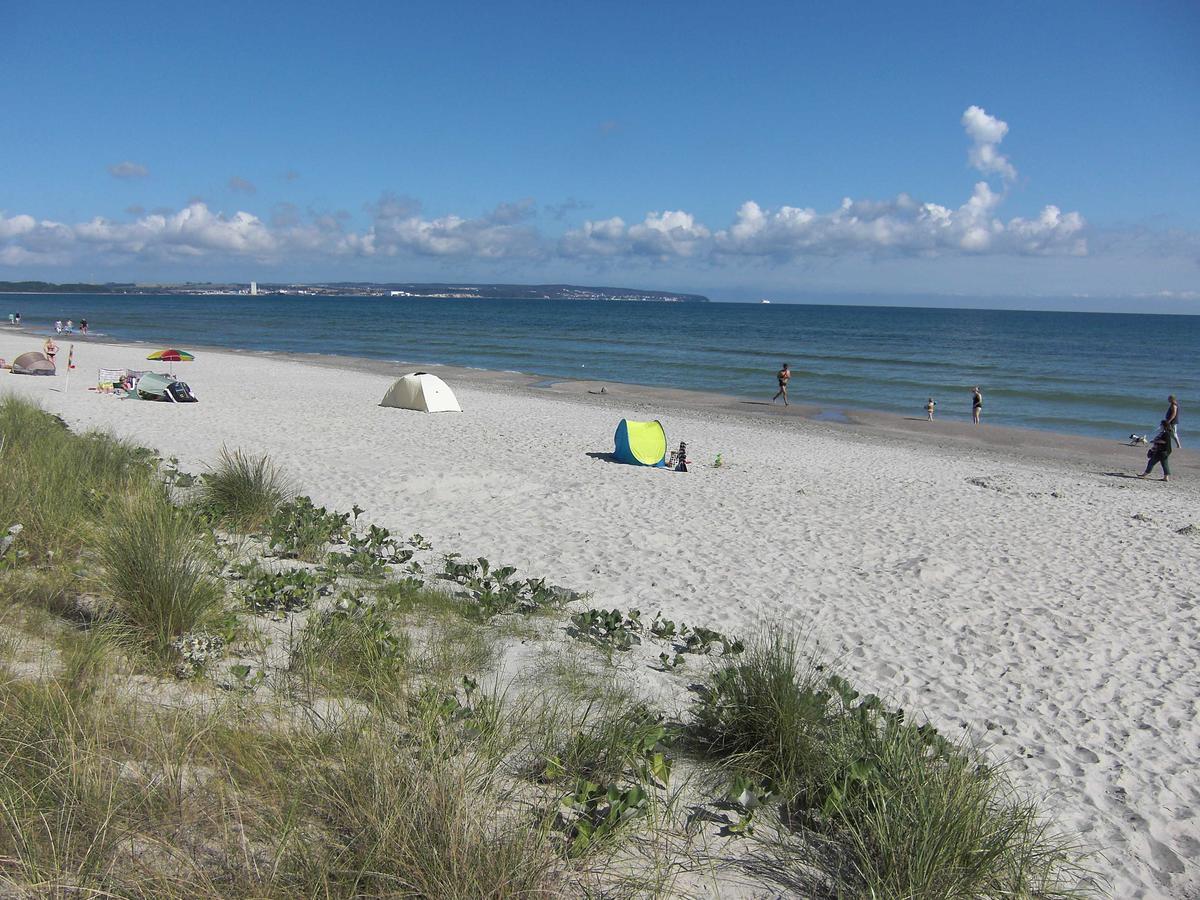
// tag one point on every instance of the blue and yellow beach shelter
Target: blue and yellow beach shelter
(641, 443)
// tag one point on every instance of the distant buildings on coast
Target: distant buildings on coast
(364, 289)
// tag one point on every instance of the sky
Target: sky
(792, 151)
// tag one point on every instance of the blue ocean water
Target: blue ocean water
(1087, 373)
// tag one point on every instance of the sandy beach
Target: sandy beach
(1021, 587)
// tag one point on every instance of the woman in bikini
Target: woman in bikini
(783, 375)
(50, 349)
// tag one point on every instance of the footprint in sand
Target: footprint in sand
(1164, 857)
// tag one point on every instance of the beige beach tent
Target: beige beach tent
(422, 391)
(32, 363)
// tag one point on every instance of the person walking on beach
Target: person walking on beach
(783, 375)
(50, 349)
(1172, 419)
(83, 326)
(1160, 451)
(976, 404)
(58, 326)
(18, 322)
(930, 407)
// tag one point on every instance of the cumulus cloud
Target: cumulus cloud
(237, 183)
(397, 226)
(986, 132)
(127, 170)
(660, 236)
(902, 226)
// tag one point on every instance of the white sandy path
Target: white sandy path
(1060, 630)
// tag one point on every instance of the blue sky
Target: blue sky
(760, 149)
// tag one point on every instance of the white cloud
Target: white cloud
(986, 133)
(673, 234)
(396, 226)
(899, 227)
(16, 226)
(128, 169)
(605, 237)
(399, 228)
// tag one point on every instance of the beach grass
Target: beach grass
(56, 484)
(403, 821)
(159, 567)
(396, 760)
(243, 491)
(891, 808)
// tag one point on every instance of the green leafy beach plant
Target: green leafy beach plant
(283, 592)
(370, 554)
(301, 530)
(497, 591)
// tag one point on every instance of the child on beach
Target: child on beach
(929, 408)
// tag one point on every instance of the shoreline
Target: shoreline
(1033, 444)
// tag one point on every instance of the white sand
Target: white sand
(1034, 610)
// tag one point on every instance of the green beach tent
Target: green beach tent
(641, 443)
(152, 386)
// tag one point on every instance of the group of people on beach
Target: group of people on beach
(976, 405)
(1164, 441)
(784, 375)
(1159, 453)
(14, 318)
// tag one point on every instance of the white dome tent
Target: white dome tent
(421, 391)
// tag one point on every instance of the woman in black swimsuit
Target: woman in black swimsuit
(976, 404)
(783, 375)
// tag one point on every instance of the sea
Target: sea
(1100, 374)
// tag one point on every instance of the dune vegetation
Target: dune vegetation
(215, 687)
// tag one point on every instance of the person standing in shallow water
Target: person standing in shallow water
(783, 375)
(976, 404)
(930, 407)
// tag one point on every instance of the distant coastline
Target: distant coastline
(425, 290)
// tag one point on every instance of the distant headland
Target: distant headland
(363, 289)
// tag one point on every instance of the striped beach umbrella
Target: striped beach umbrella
(171, 356)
